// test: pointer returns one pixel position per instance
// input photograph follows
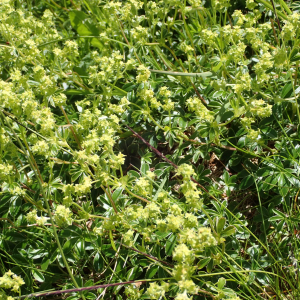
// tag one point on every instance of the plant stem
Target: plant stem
(110, 198)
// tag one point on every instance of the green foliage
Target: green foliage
(149, 149)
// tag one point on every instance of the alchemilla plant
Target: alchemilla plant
(149, 149)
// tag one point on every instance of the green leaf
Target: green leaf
(80, 248)
(117, 193)
(275, 218)
(45, 264)
(112, 241)
(212, 134)
(76, 175)
(269, 132)
(133, 173)
(145, 168)
(69, 244)
(71, 231)
(262, 172)
(295, 55)
(151, 272)
(98, 262)
(170, 244)
(84, 26)
(282, 181)
(76, 92)
(220, 222)
(246, 182)
(14, 236)
(118, 92)
(144, 262)
(226, 177)
(134, 273)
(182, 122)
(287, 90)
(284, 191)
(221, 283)
(270, 182)
(73, 298)
(230, 230)
(217, 67)
(203, 262)
(210, 265)
(38, 276)
(15, 207)
(82, 23)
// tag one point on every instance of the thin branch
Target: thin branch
(148, 255)
(151, 147)
(106, 191)
(8, 220)
(277, 19)
(203, 74)
(274, 31)
(71, 127)
(164, 158)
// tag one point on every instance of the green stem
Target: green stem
(203, 74)
(134, 195)
(71, 127)
(110, 198)
(90, 216)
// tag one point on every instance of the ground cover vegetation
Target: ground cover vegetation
(149, 149)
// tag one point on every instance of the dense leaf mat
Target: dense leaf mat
(149, 149)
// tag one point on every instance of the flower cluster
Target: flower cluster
(33, 218)
(126, 11)
(132, 292)
(186, 171)
(143, 185)
(253, 135)
(221, 5)
(291, 26)
(106, 68)
(84, 187)
(189, 188)
(140, 34)
(5, 171)
(186, 48)
(198, 239)
(143, 74)
(63, 216)
(265, 63)
(184, 253)
(195, 104)
(11, 281)
(209, 38)
(246, 122)
(156, 291)
(243, 83)
(260, 109)
(148, 96)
